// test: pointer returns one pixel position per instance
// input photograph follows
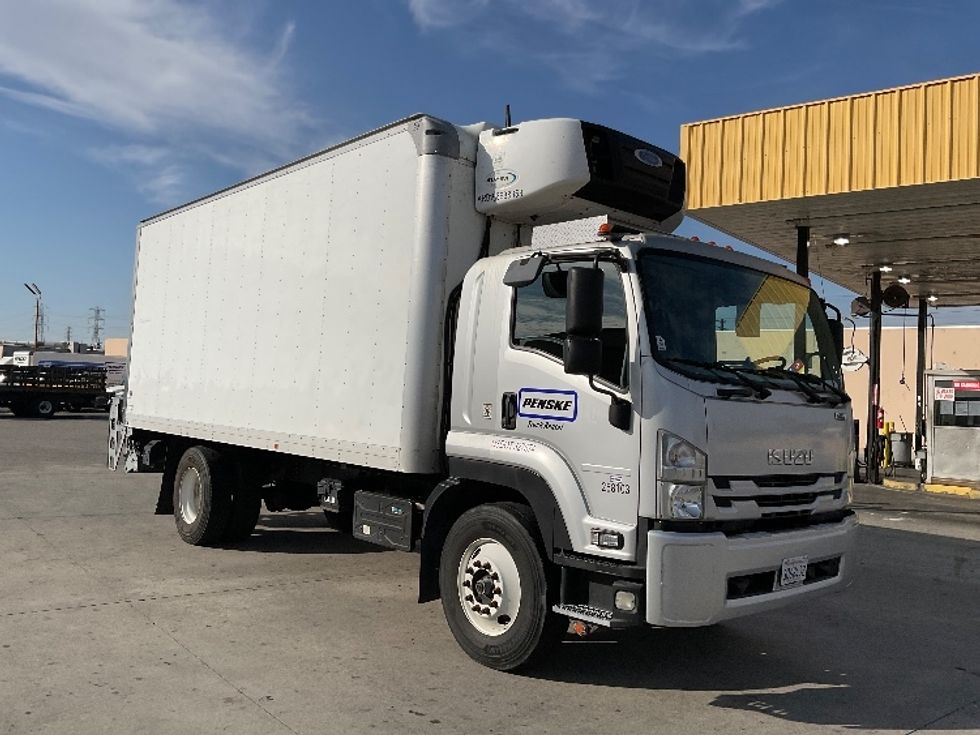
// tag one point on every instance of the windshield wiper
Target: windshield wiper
(720, 367)
(804, 387)
(826, 385)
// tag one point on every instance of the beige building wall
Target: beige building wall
(955, 347)
(116, 346)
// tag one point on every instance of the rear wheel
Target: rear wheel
(245, 507)
(494, 586)
(43, 408)
(202, 496)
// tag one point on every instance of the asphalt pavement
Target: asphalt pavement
(110, 624)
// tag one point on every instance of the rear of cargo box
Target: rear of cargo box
(303, 311)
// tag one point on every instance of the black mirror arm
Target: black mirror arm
(620, 410)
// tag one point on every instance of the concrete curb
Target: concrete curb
(932, 487)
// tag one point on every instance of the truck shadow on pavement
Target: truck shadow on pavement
(300, 533)
(897, 651)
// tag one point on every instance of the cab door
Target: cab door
(564, 411)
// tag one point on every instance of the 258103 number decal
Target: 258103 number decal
(615, 484)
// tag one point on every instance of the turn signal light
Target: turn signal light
(606, 539)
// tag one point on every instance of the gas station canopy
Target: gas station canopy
(888, 178)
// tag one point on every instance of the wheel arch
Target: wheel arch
(476, 482)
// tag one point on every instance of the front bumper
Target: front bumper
(690, 575)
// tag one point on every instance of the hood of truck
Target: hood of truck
(748, 439)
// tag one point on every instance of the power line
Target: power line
(97, 320)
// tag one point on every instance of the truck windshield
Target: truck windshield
(722, 322)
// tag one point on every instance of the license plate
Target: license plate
(793, 571)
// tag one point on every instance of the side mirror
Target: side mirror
(583, 321)
(836, 328)
(582, 355)
(837, 334)
(583, 306)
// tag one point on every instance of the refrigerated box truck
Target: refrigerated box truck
(618, 428)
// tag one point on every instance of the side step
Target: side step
(587, 614)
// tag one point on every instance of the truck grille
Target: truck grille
(776, 501)
(734, 498)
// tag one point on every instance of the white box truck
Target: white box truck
(616, 428)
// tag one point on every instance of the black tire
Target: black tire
(43, 408)
(209, 475)
(19, 410)
(245, 507)
(535, 629)
(165, 500)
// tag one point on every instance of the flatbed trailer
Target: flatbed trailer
(40, 392)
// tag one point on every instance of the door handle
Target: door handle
(508, 411)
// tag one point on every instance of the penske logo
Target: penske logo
(547, 403)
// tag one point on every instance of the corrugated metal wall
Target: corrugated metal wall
(911, 135)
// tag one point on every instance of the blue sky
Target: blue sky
(112, 110)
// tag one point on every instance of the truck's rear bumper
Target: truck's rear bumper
(700, 578)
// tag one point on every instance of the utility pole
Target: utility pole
(97, 319)
(38, 319)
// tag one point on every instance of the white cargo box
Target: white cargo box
(302, 311)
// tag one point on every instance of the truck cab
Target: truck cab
(699, 454)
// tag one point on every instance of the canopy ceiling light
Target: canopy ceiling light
(842, 239)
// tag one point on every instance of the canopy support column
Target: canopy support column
(920, 375)
(802, 250)
(872, 451)
(802, 269)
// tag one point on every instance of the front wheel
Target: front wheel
(494, 587)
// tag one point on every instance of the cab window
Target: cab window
(539, 318)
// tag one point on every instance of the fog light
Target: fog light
(606, 539)
(625, 601)
(685, 502)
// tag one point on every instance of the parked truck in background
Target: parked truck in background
(40, 391)
(616, 428)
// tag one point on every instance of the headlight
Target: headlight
(680, 460)
(681, 471)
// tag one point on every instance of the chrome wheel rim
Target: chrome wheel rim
(489, 586)
(45, 407)
(189, 495)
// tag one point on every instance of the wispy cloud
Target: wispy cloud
(434, 14)
(166, 75)
(589, 42)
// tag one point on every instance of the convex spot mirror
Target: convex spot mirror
(524, 272)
